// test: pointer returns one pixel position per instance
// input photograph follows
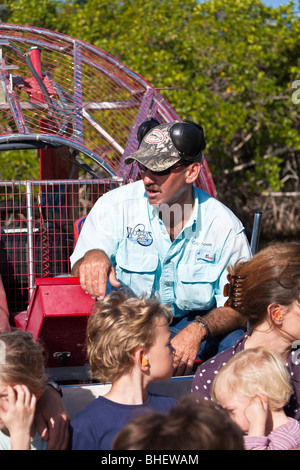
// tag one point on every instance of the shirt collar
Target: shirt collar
(194, 216)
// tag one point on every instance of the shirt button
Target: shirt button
(167, 283)
(168, 261)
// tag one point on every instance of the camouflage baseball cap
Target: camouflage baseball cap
(166, 144)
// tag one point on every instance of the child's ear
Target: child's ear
(141, 359)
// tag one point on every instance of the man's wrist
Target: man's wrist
(202, 322)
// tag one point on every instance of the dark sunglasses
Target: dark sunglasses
(187, 137)
(143, 169)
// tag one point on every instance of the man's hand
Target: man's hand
(52, 420)
(187, 345)
(94, 269)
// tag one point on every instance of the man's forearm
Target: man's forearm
(222, 320)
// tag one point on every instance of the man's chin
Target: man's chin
(153, 197)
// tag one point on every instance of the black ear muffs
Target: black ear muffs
(145, 127)
(188, 138)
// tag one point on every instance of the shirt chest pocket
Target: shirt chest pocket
(196, 284)
(198, 273)
(137, 270)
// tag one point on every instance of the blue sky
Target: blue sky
(272, 3)
(275, 3)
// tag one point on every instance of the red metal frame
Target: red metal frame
(37, 233)
(57, 316)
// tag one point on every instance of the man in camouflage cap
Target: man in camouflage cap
(161, 147)
(164, 235)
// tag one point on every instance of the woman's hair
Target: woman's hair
(118, 325)
(21, 360)
(193, 424)
(271, 276)
(255, 372)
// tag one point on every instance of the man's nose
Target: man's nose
(149, 177)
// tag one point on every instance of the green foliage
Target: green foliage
(229, 65)
(41, 13)
(20, 165)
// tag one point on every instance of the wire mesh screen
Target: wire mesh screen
(60, 91)
(65, 88)
(38, 230)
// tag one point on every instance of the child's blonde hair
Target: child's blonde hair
(119, 325)
(255, 372)
(22, 360)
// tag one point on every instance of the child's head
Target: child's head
(251, 373)
(193, 424)
(21, 361)
(121, 325)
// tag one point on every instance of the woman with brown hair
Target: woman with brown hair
(266, 292)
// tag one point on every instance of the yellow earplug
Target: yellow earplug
(279, 318)
(144, 361)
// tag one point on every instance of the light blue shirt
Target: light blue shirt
(188, 273)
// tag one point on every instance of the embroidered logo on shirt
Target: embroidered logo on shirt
(209, 257)
(139, 235)
(205, 255)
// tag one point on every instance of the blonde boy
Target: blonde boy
(129, 345)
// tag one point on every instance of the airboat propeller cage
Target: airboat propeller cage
(57, 91)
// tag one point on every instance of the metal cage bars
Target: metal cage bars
(37, 230)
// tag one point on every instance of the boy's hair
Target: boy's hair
(118, 325)
(193, 424)
(22, 360)
(255, 372)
